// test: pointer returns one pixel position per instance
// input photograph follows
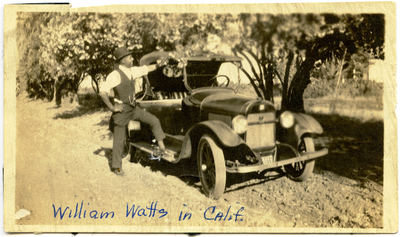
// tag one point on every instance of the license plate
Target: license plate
(267, 159)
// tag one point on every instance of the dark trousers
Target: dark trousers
(121, 120)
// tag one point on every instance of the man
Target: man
(122, 81)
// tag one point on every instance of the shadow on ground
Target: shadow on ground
(105, 152)
(355, 147)
(186, 171)
(355, 152)
(86, 107)
(105, 121)
(236, 182)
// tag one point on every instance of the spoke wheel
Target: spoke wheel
(211, 165)
(302, 170)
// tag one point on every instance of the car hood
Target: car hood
(198, 95)
(233, 104)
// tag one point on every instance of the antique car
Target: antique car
(206, 120)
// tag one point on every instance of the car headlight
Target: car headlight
(239, 124)
(286, 119)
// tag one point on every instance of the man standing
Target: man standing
(122, 81)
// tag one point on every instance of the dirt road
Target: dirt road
(63, 161)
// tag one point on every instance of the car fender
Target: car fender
(222, 132)
(306, 124)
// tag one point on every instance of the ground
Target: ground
(63, 156)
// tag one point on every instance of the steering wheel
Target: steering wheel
(225, 83)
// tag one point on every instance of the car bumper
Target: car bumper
(274, 164)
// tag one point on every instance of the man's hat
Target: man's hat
(121, 53)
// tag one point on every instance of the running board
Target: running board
(171, 151)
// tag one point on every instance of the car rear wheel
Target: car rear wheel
(211, 165)
(302, 170)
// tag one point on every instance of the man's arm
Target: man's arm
(112, 80)
(106, 100)
(159, 64)
(145, 69)
(152, 67)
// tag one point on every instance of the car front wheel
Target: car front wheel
(211, 165)
(302, 170)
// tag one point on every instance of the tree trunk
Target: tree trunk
(69, 93)
(299, 83)
(256, 88)
(95, 84)
(269, 83)
(57, 91)
(285, 85)
(252, 82)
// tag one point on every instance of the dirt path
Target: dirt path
(63, 160)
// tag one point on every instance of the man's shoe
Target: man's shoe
(165, 153)
(162, 153)
(118, 171)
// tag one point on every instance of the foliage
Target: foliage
(366, 88)
(359, 65)
(82, 44)
(301, 40)
(351, 88)
(30, 71)
(70, 46)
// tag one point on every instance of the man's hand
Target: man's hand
(162, 62)
(106, 100)
(118, 108)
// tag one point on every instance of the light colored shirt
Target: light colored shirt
(133, 73)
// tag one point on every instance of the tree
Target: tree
(30, 71)
(81, 44)
(276, 41)
(70, 46)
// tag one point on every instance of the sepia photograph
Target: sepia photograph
(202, 118)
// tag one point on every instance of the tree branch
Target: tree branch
(285, 85)
(279, 76)
(256, 88)
(251, 66)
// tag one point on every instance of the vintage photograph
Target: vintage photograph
(237, 118)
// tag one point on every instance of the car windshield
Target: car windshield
(201, 73)
(205, 72)
(202, 70)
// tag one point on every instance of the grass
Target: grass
(361, 103)
(334, 103)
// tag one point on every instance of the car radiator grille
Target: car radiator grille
(261, 130)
